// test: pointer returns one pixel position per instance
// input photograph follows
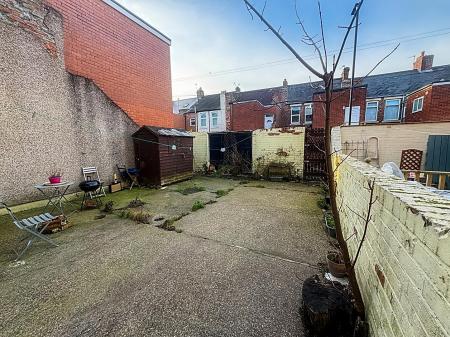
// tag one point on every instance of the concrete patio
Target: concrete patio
(236, 268)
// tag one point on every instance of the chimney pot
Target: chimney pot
(345, 81)
(285, 83)
(423, 62)
(200, 93)
(237, 89)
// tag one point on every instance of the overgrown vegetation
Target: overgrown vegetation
(221, 193)
(322, 203)
(330, 220)
(135, 203)
(197, 205)
(140, 216)
(190, 189)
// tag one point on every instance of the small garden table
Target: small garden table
(55, 193)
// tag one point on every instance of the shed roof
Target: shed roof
(158, 131)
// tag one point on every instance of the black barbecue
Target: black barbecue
(91, 189)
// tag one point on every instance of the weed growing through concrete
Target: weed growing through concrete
(197, 205)
(221, 193)
(190, 189)
(140, 216)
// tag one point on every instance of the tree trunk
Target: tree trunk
(359, 304)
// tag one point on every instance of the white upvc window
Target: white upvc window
(392, 109)
(417, 104)
(308, 113)
(371, 111)
(295, 114)
(203, 120)
(214, 119)
(192, 122)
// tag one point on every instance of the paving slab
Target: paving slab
(235, 270)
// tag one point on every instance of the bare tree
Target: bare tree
(327, 77)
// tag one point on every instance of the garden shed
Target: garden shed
(163, 156)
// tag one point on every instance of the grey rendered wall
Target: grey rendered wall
(50, 119)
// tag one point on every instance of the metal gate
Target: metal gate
(232, 150)
(314, 163)
(438, 155)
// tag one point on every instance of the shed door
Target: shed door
(438, 155)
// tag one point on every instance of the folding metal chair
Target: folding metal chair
(34, 227)
(91, 173)
(129, 174)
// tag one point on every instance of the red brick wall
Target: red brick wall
(436, 104)
(130, 64)
(179, 122)
(250, 116)
(340, 100)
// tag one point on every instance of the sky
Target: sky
(217, 45)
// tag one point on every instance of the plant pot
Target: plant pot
(335, 265)
(55, 179)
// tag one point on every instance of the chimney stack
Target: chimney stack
(237, 89)
(345, 81)
(423, 62)
(285, 83)
(200, 93)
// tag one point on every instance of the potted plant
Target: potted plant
(329, 224)
(55, 177)
(336, 264)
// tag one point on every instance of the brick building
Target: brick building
(257, 109)
(125, 56)
(418, 95)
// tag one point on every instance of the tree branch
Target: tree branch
(310, 39)
(367, 220)
(278, 35)
(323, 37)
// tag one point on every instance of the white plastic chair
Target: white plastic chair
(91, 173)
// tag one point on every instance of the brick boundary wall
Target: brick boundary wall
(278, 145)
(404, 266)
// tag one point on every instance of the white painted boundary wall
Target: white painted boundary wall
(285, 146)
(200, 150)
(393, 138)
(404, 266)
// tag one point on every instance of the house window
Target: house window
(192, 122)
(214, 119)
(371, 111)
(417, 104)
(392, 109)
(268, 121)
(203, 120)
(295, 114)
(308, 113)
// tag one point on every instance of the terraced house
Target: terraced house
(421, 94)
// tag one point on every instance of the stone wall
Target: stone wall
(279, 146)
(49, 118)
(404, 267)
